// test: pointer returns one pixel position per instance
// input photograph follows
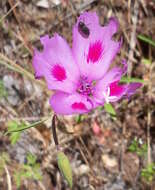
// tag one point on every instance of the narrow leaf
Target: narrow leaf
(27, 127)
(146, 39)
(128, 80)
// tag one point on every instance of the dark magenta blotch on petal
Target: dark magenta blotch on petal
(59, 72)
(79, 105)
(115, 89)
(94, 52)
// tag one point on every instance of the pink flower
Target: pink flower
(81, 77)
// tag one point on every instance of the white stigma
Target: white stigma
(107, 96)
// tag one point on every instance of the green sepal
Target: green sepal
(65, 167)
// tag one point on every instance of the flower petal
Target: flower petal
(63, 103)
(111, 76)
(115, 89)
(38, 62)
(109, 89)
(56, 64)
(95, 52)
(132, 88)
(125, 90)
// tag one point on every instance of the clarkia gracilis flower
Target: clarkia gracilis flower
(81, 76)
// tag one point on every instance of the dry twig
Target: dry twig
(23, 34)
(133, 36)
(11, 64)
(8, 177)
(149, 159)
(12, 8)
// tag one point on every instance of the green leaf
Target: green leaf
(14, 137)
(31, 159)
(134, 146)
(36, 172)
(12, 125)
(26, 167)
(65, 168)
(109, 108)
(148, 173)
(146, 61)
(30, 170)
(3, 92)
(146, 39)
(28, 174)
(142, 151)
(37, 176)
(129, 79)
(17, 178)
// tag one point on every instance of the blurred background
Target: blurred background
(111, 148)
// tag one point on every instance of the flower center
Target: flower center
(85, 87)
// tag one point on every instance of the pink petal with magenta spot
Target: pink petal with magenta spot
(63, 103)
(56, 64)
(59, 72)
(111, 80)
(95, 53)
(115, 89)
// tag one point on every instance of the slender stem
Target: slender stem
(27, 127)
